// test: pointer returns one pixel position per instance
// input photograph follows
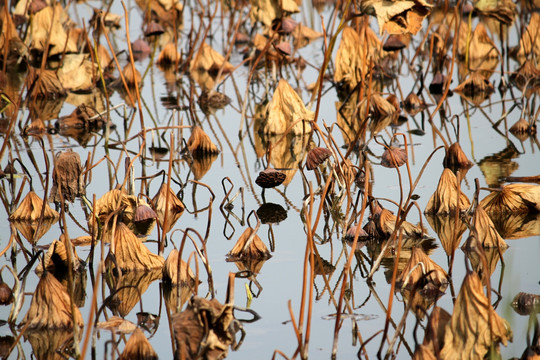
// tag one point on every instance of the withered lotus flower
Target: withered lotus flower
(475, 88)
(138, 347)
(474, 326)
(394, 157)
(117, 324)
(140, 49)
(394, 43)
(168, 56)
(525, 304)
(51, 307)
(513, 198)
(172, 268)
(413, 104)
(446, 199)
(30, 209)
(6, 294)
(174, 209)
(287, 112)
(67, 177)
(249, 246)
(129, 253)
(44, 84)
(455, 158)
(199, 142)
(486, 232)
(204, 319)
(132, 75)
(36, 6)
(421, 268)
(269, 178)
(211, 100)
(57, 258)
(153, 29)
(316, 157)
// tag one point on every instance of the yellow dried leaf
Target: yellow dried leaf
(202, 164)
(474, 326)
(172, 267)
(129, 253)
(480, 44)
(386, 223)
(44, 84)
(476, 88)
(446, 199)
(513, 198)
(166, 203)
(199, 142)
(77, 72)
(131, 286)
(47, 26)
(421, 268)
(449, 229)
(117, 324)
(67, 177)
(57, 258)
(30, 209)
(249, 246)
(487, 234)
(30, 230)
(483, 260)
(51, 306)
(423, 352)
(112, 201)
(434, 338)
(286, 112)
(303, 36)
(138, 347)
(529, 44)
(502, 10)
(397, 17)
(516, 226)
(206, 64)
(168, 56)
(267, 11)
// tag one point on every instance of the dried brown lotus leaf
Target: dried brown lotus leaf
(349, 64)
(480, 44)
(138, 347)
(173, 208)
(434, 338)
(474, 326)
(529, 44)
(516, 226)
(413, 104)
(132, 75)
(171, 268)
(168, 56)
(9, 37)
(205, 329)
(386, 222)
(316, 157)
(199, 142)
(172, 298)
(287, 112)
(131, 286)
(483, 260)
(502, 10)
(112, 201)
(513, 198)
(103, 57)
(44, 84)
(117, 324)
(398, 17)
(499, 165)
(449, 229)
(211, 100)
(201, 165)
(446, 199)
(206, 64)
(488, 235)
(455, 158)
(77, 72)
(476, 88)
(30, 209)
(33, 231)
(526, 76)
(394, 157)
(57, 257)
(379, 108)
(304, 35)
(522, 129)
(47, 27)
(67, 177)
(249, 246)
(421, 268)
(423, 352)
(50, 344)
(51, 306)
(129, 253)
(266, 11)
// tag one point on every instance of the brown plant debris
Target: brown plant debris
(269, 178)
(31, 208)
(112, 201)
(154, 29)
(398, 17)
(516, 226)
(476, 88)
(502, 10)
(141, 50)
(77, 73)
(129, 253)
(413, 104)
(480, 44)
(526, 76)
(529, 44)
(249, 246)
(206, 64)
(385, 223)
(138, 348)
(201, 164)
(144, 219)
(486, 232)
(455, 158)
(83, 118)
(172, 268)
(50, 307)
(394, 157)
(67, 177)
(316, 157)
(6, 294)
(117, 324)
(173, 208)
(420, 269)
(211, 100)
(57, 258)
(522, 129)
(205, 329)
(48, 27)
(168, 56)
(304, 35)
(270, 213)
(199, 142)
(525, 304)
(132, 75)
(434, 338)
(266, 11)
(449, 229)
(474, 326)
(43, 84)
(513, 198)
(286, 112)
(447, 199)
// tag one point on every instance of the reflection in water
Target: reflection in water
(499, 165)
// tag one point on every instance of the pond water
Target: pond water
(494, 152)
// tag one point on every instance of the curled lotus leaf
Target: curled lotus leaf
(174, 266)
(31, 209)
(513, 198)
(486, 232)
(249, 246)
(138, 347)
(446, 199)
(117, 324)
(421, 267)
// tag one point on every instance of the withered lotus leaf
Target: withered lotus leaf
(529, 44)
(423, 352)
(113, 200)
(172, 268)
(47, 27)
(377, 107)
(434, 338)
(130, 254)
(316, 157)
(78, 72)
(50, 344)
(199, 142)
(249, 246)
(394, 157)
(287, 110)
(522, 129)
(502, 10)
(413, 104)
(449, 229)
(83, 119)
(474, 326)
(398, 17)
(349, 64)
(527, 75)
(44, 84)
(386, 223)
(488, 236)
(483, 260)
(138, 347)
(266, 11)
(211, 100)
(476, 88)
(173, 208)
(176, 296)
(480, 44)
(57, 257)
(420, 267)
(67, 177)
(50, 307)
(455, 158)
(168, 56)
(513, 198)
(204, 330)
(117, 324)
(33, 231)
(516, 226)
(202, 164)
(206, 65)
(132, 75)
(30, 209)
(447, 199)
(304, 35)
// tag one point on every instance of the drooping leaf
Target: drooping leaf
(398, 17)
(131, 286)
(249, 246)
(31, 208)
(422, 268)
(487, 234)
(67, 177)
(513, 198)
(199, 142)
(47, 27)
(168, 207)
(447, 199)
(117, 324)
(77, 73)
(138, 347)
(172, 268)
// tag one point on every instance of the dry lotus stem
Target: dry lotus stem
(138, 347)
(130, 254)
(67, 177)
(199, 142)
(30, 209)
(51, 307)
(249, 246)
(394, 157)
(269, 178)
(316, 157)
(446, 199)
(171, 268)
(513, 198)
(456, 158)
